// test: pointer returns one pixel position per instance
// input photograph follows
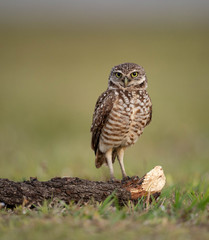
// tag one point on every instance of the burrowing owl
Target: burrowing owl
(121, 114)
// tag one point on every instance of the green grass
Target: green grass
(50, 80)
(179, 212)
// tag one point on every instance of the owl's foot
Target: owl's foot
(114, 180)
(125, 178)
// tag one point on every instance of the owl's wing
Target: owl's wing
(150, 115)
(102, 109)
(150, 111)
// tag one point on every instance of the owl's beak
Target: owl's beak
(126, 82)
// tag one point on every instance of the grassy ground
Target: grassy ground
(179, 213)
(50, 80)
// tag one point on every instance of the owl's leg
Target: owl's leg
(108, 156)
(120, 155)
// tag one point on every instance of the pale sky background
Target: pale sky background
(105, 11)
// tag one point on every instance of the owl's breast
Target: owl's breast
(126, 121)
(139, 115)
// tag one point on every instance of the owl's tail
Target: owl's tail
(101, 159)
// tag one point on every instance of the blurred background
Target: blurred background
(55, 58)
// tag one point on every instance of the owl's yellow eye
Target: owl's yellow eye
(134, 74)
(118, 74)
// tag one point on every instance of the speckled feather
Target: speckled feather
(102, 109)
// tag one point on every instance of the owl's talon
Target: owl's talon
(114, 180)
(126, 179)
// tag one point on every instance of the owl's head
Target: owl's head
(127, 75)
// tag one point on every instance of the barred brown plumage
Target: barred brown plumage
(121, 113)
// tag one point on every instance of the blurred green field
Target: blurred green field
(50, 80)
